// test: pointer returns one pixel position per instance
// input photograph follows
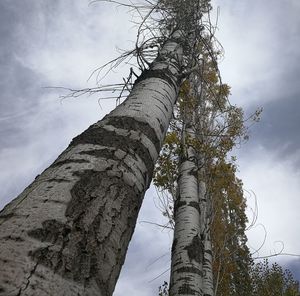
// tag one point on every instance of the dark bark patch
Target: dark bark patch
(7, 216)
(82, 192)
(164, 74)
(97, 135)
(162, 128)
(51, 231)
(14, 238)
(58, 180)
(189, 269)
(208, 252)
(85, 252)
(103, 153)
(195, 205)
(178, 204)
(174, 245)
(193, 172)
(186, 289)
(129, 123)
(195, 249)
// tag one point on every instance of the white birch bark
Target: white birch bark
(208, 284)
(205, 122)
(187, 249)
(190, 222)
(68, 232)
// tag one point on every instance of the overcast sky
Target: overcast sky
(59, 43)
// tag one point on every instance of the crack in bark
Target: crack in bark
(28, 280)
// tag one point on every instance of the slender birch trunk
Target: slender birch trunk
(187, 249)
(68, 232)
(192, 207)
(208, 283)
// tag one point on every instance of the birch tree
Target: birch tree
(68, 232)
(205, 130)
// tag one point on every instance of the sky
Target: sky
(55, 43)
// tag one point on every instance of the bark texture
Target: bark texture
(205, 205)
(188, 249)
(68, 232)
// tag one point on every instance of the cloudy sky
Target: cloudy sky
(60, 42)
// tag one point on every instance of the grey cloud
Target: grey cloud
(21, 87)
(274, 67)
(294, 267)
(278, 129)
(26, 28)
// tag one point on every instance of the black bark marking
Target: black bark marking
(178, 204)
(195, 249)
(129, 123)
(7, 216)
(51, 231)
(164, 74)
(84, 251)
(81, 192)
(13, 238)
(209, 252)
(162, 128)
(174, 245)
(195, 205)
(188, 269)
(97, 135)
(58, 180)
(193, 172)
(186, 289)
(103, 153)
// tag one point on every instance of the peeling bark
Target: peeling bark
(68, 232)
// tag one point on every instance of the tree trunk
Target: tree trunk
(205, 205)
(68, 232)
(187, 249)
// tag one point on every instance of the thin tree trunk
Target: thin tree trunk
(187, 249)
(208, 283)
(68, 232)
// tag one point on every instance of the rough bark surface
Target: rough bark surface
(68, 232)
